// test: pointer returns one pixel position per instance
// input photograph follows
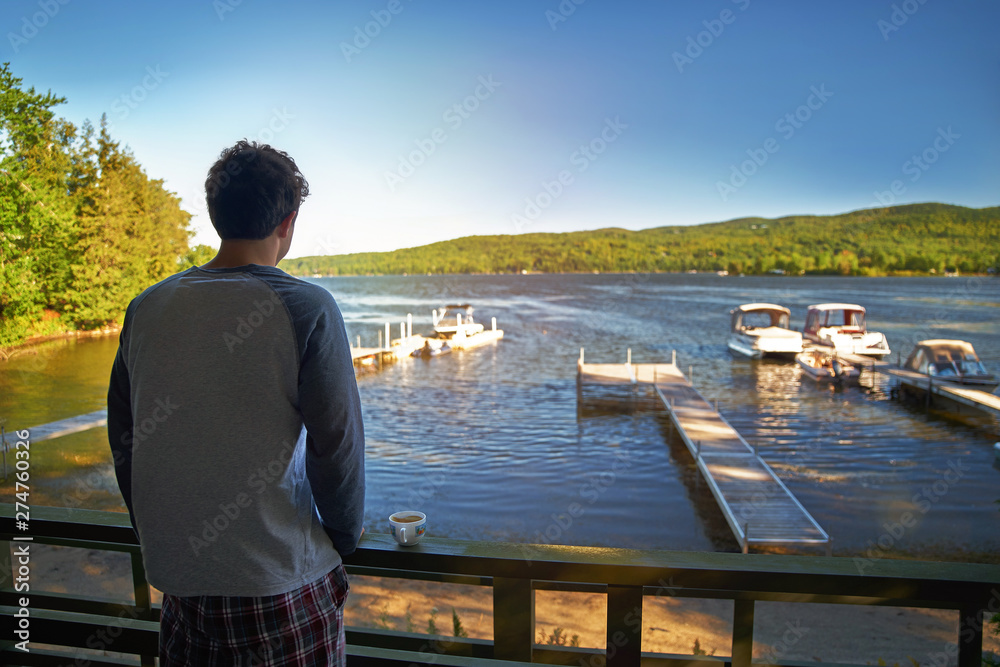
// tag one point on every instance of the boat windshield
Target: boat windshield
(959, 367)
(760, 319)
(846, 319)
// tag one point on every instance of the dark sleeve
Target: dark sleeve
(335, 432)
(120, 424)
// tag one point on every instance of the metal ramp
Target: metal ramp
(757, 505)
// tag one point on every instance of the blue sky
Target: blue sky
(420, 120)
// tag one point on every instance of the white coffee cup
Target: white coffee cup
(407, 527)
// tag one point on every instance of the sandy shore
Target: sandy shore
(785, 631)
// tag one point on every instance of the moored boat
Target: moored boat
(432, 348)
(951, 361)
(823, 366)
(456, 325)
(843, 327)
(455, 320)
(761, 329)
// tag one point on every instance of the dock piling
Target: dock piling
(673, 357)
(628, 356)
(494, 324)
(409, 325)
(388, 342)
(380, 341)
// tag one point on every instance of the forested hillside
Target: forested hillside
(903, 240)
(82, 228)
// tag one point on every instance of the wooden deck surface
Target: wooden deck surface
(757, 505)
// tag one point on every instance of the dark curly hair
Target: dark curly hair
(251, 189)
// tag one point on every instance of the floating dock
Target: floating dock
(757, 505)
(963, 396)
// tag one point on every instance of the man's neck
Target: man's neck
(241, 252)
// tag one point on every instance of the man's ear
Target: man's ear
(286, 225)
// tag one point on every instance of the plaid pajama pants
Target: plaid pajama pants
(301, 627)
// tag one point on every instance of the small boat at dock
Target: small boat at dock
(822, 365)
(431, 348)
(454, 320)
(455, 324)
(949, 361)
(843, 327)
(761, 329)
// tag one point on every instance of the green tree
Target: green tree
(36, 217)
(131, 234)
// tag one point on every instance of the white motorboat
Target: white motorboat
(842, 326)
(455, 325)
(759, 329)
(455, 320)
(949, 361)
(823, 365)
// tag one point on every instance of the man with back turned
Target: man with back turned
(236, 429)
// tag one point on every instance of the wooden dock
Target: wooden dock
(962, 396)
(757, 505)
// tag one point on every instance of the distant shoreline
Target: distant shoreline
(902, 274)
(13, 351)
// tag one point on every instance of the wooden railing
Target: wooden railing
(514, 572)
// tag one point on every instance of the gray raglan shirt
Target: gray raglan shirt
(236, 430)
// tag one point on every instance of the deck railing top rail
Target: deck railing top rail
(514, 570)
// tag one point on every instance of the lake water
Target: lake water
(490, 443)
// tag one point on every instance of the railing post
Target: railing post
(742, 633)
(624, 626)
(6, 567)
(970, 635)
(513, 619)
(143, 601)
